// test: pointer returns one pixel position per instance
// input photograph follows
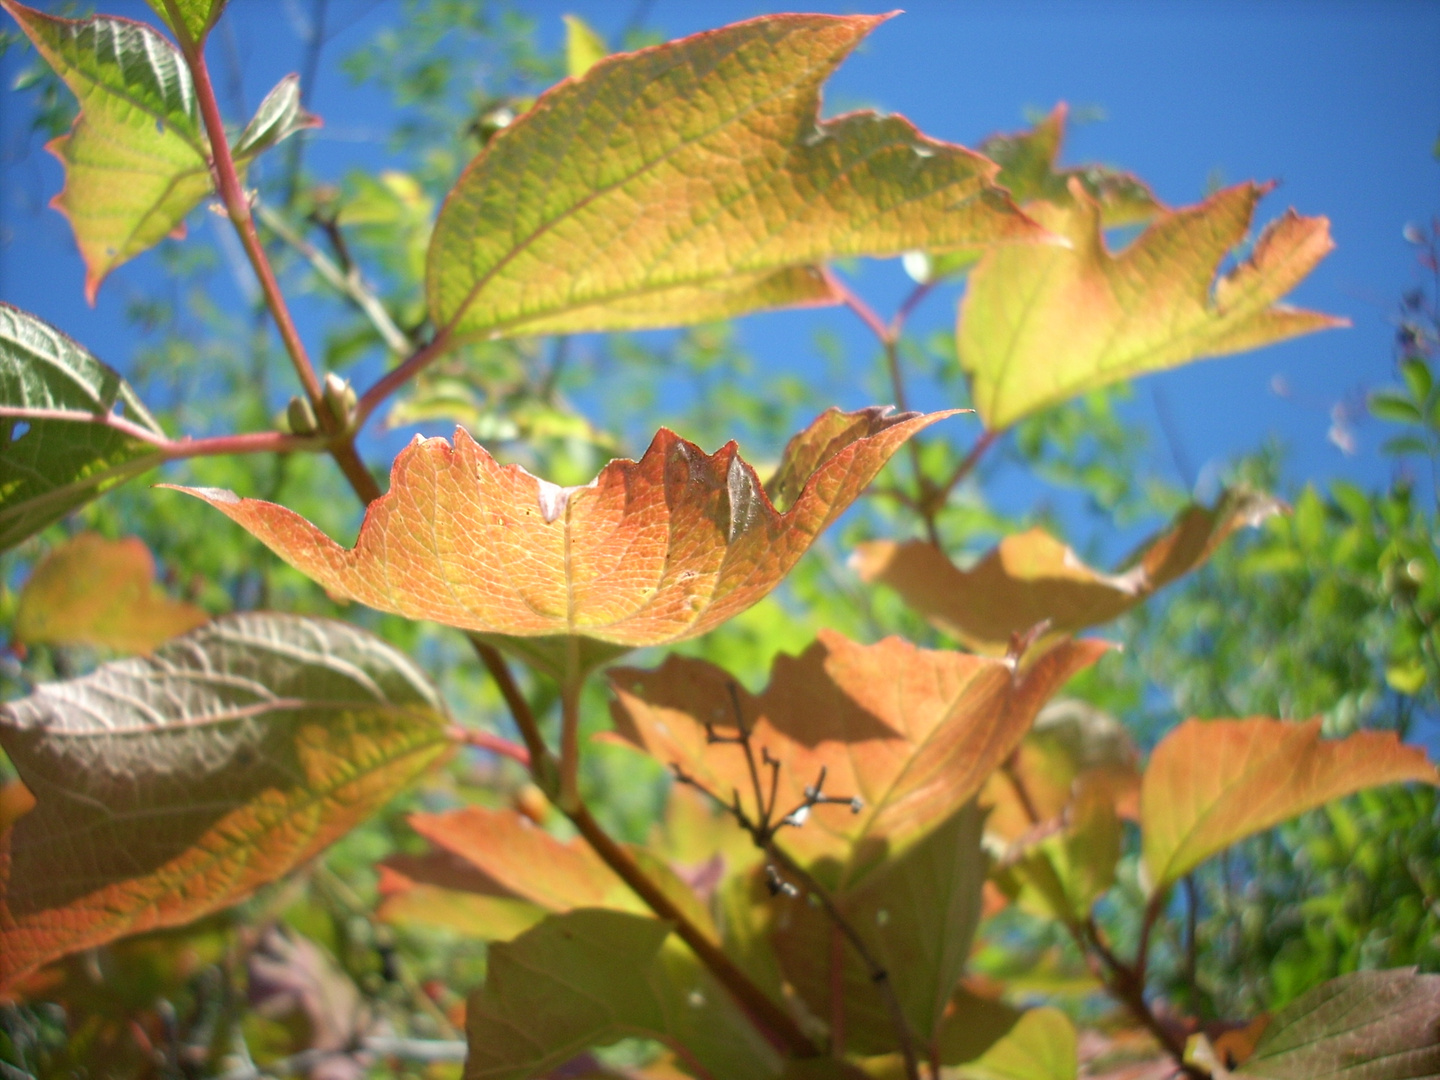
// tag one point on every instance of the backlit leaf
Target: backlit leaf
(1032, 577)
(917, 914)
(70, 427)
(1368, 1025)
(584, 48)
(1212, 783)
(441, 889)
(170, 786)
(694, 181)
(1029, 170)
(1041, 324)
(279, 116)
(649, 552)
(914, 733)
(590, 978)
(525, 860)
(137, 159)
(95, 591)
(196, 16)
(1041, 1046)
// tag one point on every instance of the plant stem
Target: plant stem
(398, 376)
(486, 740)
(987, 439)
(237, 205)
(772, 1021)
(878, 975)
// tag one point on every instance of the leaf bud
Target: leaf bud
(339, 399)
(300, 417)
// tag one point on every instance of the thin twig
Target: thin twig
(967, 465)
(485, 740)
(347, 282)
(398, 376)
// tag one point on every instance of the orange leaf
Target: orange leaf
(914, 733)
(1212, 783)
(94, 591)
(649, 552)
(1030, 578)
(174, 785)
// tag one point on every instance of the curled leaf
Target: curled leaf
(651, 551)
(95, 591)
(173, 785)
(913, 733)
(70, 427)
(1033, 578)
(1212, 783)
(1041, 324)
(695, 181)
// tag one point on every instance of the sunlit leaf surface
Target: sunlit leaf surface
(695, 181)
(1212, 783)
(1040, 324)
(170, 786)
(649, 552)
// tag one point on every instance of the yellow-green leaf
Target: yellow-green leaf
(695, 181)
(1040, 324)
(95, 591)
(584, 48)
(193, 17)
(1032, 578)
(1041, 1046)
(1212, 783)
(1029, 170)
(173, 785)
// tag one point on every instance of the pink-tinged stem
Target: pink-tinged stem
(398, 376)
(484, 740)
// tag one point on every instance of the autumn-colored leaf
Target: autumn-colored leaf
(973, 1023)
(441, 889)
(1040, 324)
(1032, 577)
(1041, 1046)
(1029, 170)
(695, 181)
(196, 16)
(527, 862)
(1367, 1025)
(917, 913)
(649, 552)
(137, 159)
(172, 785)
(590, 978)
(95, 591)
(70, 427)
(1212, 783)
(913, 733)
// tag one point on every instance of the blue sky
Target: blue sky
(1339, 102)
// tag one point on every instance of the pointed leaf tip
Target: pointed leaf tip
(650, 551)
(637, 225)
(1212, 783)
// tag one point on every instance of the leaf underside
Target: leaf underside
(1212, 783)
(1032, 578)
(171, 786)
(67, 454)
(649, 552)
(693, 181)
(1041, 324)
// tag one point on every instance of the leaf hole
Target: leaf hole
(159, 127)
(17, 431)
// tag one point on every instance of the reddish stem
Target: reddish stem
(484, 740)
(398, 376)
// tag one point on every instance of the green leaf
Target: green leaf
(1368, 1025)
(1418, 378)
(694, 181)
(85, 428)
(1041, 1046)
(171, 786)
(135, 161)
(917, 914)
(592, 977)
(196, 17)
(1041, 324)
(1405, 444)
(1394, 406)
(584, 48)
(279, 116)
